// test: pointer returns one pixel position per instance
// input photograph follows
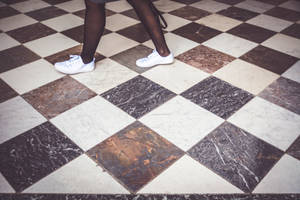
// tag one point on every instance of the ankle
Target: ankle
(86, 59)
(163, 52)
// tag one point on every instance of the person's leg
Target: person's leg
(151, 22)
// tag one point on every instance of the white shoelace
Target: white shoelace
(74, 58)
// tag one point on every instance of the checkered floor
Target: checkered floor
(223, 119)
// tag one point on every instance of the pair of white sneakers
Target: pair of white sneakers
(75, 64)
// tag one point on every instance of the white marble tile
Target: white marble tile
(72, 6)
(16, 117)
(269, 22)
(81, 175)
(30, 5)
(211, 6)
(285, 44)
(181, 122)
(30, 76)
(118, 6)
(4, 186)
(293, 72)
(246, 76)
(92, 122)
(268, 122)
(16, 21)
(63, 22)
(7, 42)
(176, 77)
(109, 42)
(176, 44)
(167, 5)
(187, 176)
(107, 75)
(50, 44)
(117, 22)
(230, 44)
(292, 5)
(219, 22)
(255, 6)
(174, 22)
(284, 177)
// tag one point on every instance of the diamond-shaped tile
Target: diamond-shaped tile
(190, 13)
(283, 13)
(136, 32)
(292, 5)
(63, 22)
(218, 96)
(6, 91)
(219, 22)
(7, 11)
(118, 6)
(4, 186)
(269, 22)
(117, 22)
(135, 155)
(293, 30)
(274, 2)
(7, 42)
(293, 72)
(294, 149)
(210, 6)
(230, 2)
(46, 13)
(236, 155)
(29, 5)
(58, 96)
(33, 155)
(71, 6)
(269, 59)
(167, 5)
(238, 13)
(15, 21)
(138, 96)
(205, 58)
(174, 22)
(254, 5)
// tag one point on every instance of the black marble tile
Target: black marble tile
(274, 2)
(283, 13)
(7, 11)
(186, 1)
(136, 32)
(217, 96)
(190, 13)
(130, 13)
(138, 96)
(53, 2)
(135, 155)
(6, 91)
(12, 1)
(29, 157)
(46, 13)
(230, 2)
(294, 149)
(238, 13)
(196, 32)
(236, 155)
(293, 30)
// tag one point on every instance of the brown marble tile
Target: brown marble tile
(269, 59)
(294, 149)
(130, 13)
(293, 30)
(6, 91)
(128, 57)
(15, 57)
(186, 1)
(64, 55)
(205, 58)
(58, 96)
(284, 13)
(190, 13)
(196, 32)
(12, 1)
(7, 11)
(274, 2)
(53, 2)
(136, 32)
(252, 32)
(135, 155)
(31, 32)
(230, 2)
(46, 13)
(238, 13)
(285, 93)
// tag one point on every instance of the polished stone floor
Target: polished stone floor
(221, 122)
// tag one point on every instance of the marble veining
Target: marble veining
(238, 13)
(236, 155)
(138, 96)
(217, 96)
(36, 153)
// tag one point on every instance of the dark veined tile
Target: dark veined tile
(138, 96)
(238, 13)
(294, 149)
(46, 13)
(230, 2)
(190, 13)
(236, 155)
(129, 57)
(15, 57)
(252, 32)
(12, 1)
(284, 13)
(293, 30)
(64, 55)
(7, 11)
(196, 32)
(205, 58)
(34, 154)
(31, 32)
(285, 93)
(274, 2)
(131, 13)
(269, 59)
(135, 155)
(58, 96)
(217, 96)
(6, 91)
(136, 32)
(54, 2)
(186, 1)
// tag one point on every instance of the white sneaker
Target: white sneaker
(74, 65)
(155, 59)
